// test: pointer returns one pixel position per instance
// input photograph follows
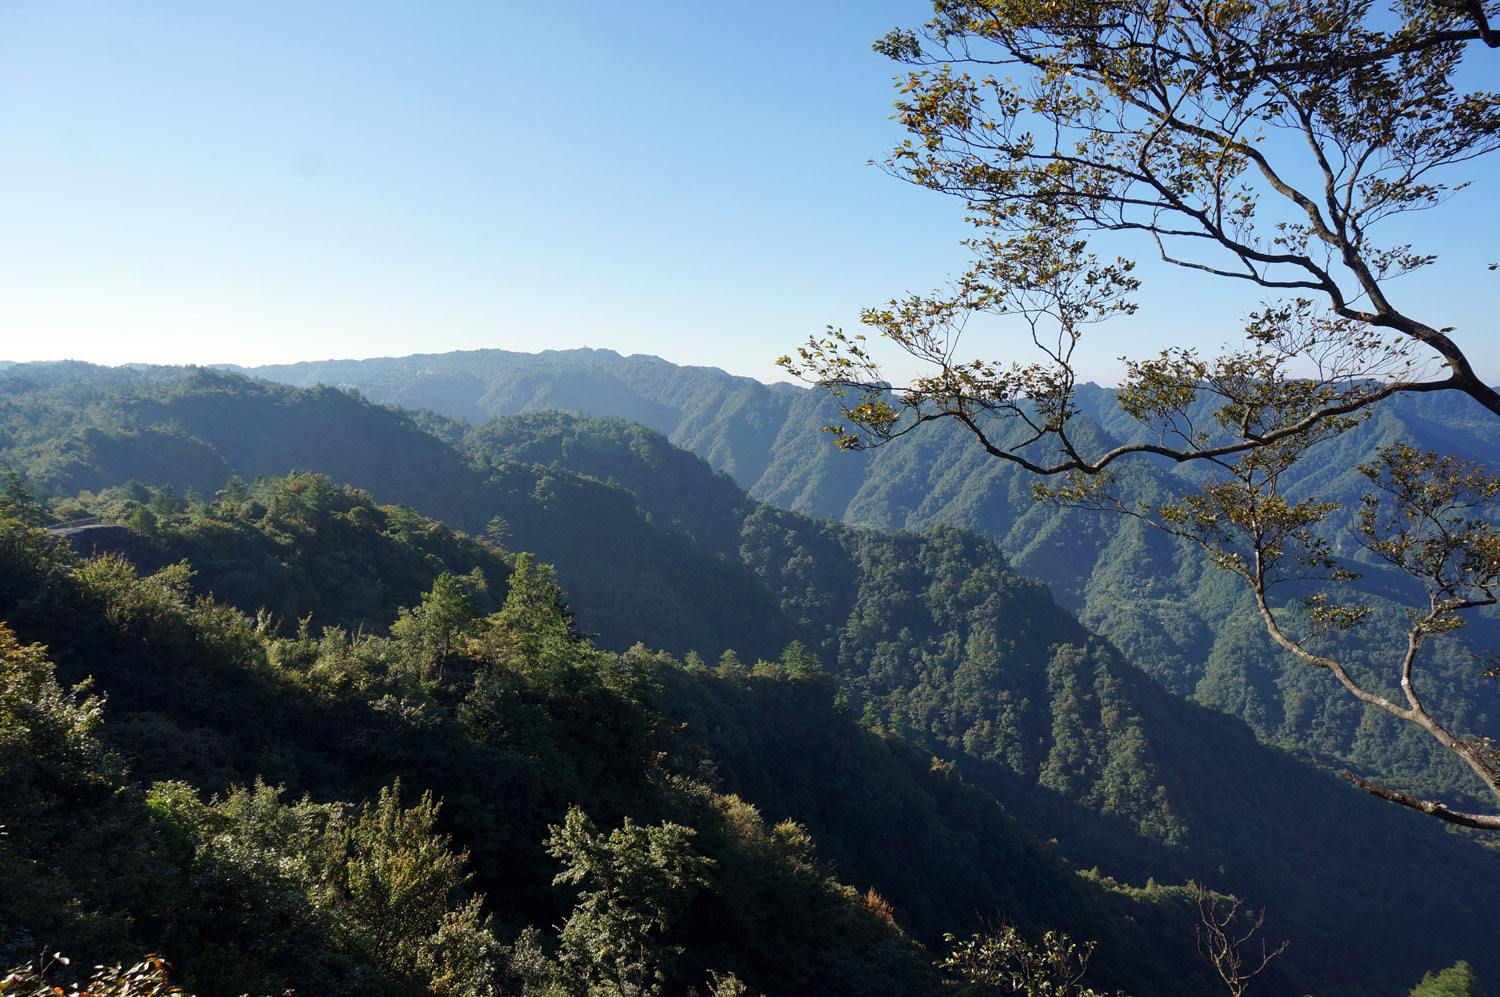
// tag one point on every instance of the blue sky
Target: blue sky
(267, 182)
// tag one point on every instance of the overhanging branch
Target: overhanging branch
(1434, 808)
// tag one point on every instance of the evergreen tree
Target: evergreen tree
(433, 630)
(1458, 980)
(636, 882)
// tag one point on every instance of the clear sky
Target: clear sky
(190, 182)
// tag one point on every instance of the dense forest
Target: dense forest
(1155, 598)
(935, 667)
(304, 705)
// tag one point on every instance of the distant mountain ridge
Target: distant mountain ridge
(1189, 626)
(935, 639)
(687, 404)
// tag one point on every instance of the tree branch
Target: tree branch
(1483, 822)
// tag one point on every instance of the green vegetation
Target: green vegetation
(250, 885)
(1458, 980)
(301, 693)
(1003, 961)
(193, 430)
(1153, 597)
(1267, 144)
(891, 689)
(298, 545)
(148, 978)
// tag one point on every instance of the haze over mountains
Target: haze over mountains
(937, 644)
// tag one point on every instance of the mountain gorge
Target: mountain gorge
(1189, 626)
(883, 690)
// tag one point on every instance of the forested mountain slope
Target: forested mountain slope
(945, 643)
(153, 832)
(193, 430)
(1186, 624)
(934, 641)
(526, 721)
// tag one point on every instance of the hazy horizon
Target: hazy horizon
(230, 365)
(284, 183)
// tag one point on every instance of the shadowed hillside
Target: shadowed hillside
(932, 638)
(1155, 598)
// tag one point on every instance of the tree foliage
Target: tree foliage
(148, 978)
(1263, 142)
(635, 881)
(1002, 961)
(931, 680)
(1458, 980)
